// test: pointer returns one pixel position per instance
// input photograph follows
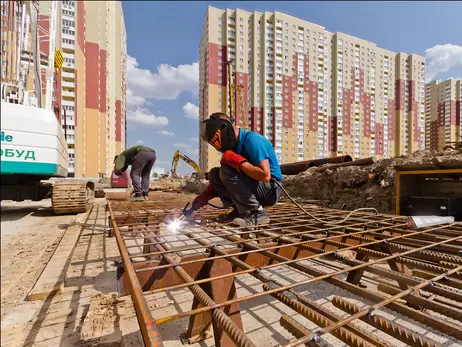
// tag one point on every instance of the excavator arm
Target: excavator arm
(177, 156)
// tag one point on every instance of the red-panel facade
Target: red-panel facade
(91, 75)
(453, 113)
(379, 149)
(102, 80)
(213, 59)
(457, 122)
(287, 102)
(400, 94)
(391, 120)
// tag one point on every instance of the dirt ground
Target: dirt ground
(85, 312)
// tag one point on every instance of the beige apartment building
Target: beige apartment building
(90, 88)
(442, 112)
(311, 92)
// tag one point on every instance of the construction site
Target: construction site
(357, 251)
(127, 274)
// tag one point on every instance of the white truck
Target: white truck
(33, 148)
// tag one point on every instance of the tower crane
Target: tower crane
(236, 97)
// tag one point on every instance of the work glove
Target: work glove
(232, 159)
(203, 198)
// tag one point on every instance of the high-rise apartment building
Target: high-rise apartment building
(90, 88)
(442, 112)
(311, 92)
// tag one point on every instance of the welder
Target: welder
(142, 159)
(245, 181)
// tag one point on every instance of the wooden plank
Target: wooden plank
(51, 281)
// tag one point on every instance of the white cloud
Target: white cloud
(166, 133)
(134, 101)
(191, 111)
(182, 145)
(166, 83)
(144, 116)
(194, 139)
(442, 58)
(139, 142)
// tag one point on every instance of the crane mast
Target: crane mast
(236, 97)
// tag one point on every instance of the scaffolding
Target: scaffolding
(416, 273)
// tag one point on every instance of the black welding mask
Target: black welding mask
(219, 133)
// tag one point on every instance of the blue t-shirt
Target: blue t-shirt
(256, 148)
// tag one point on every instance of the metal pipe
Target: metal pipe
(296, 168)
(359, 162)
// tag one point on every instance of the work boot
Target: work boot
(253, 218)
(228, 217)
(138, 198)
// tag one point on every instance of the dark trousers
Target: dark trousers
(141, 172)
(239, 190)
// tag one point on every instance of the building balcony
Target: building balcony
(70, 46)
(68, 84)
(68, 74)
(68, 94)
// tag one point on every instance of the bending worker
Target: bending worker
(245, 181)
(142, 159)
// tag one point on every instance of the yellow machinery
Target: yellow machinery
(177, 156)
(236, 95)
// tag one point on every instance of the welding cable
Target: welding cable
(318, 219)
(215, 206)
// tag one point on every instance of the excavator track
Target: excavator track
(72, 196)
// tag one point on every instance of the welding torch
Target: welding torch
(186, 212)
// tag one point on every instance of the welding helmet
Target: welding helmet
(219, 133)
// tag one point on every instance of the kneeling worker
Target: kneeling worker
(245, 181)
(142, 159)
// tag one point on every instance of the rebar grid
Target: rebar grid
(359, 247)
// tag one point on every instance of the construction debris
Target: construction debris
(351, 187)
(179, 185)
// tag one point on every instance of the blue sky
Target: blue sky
(163, 47)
